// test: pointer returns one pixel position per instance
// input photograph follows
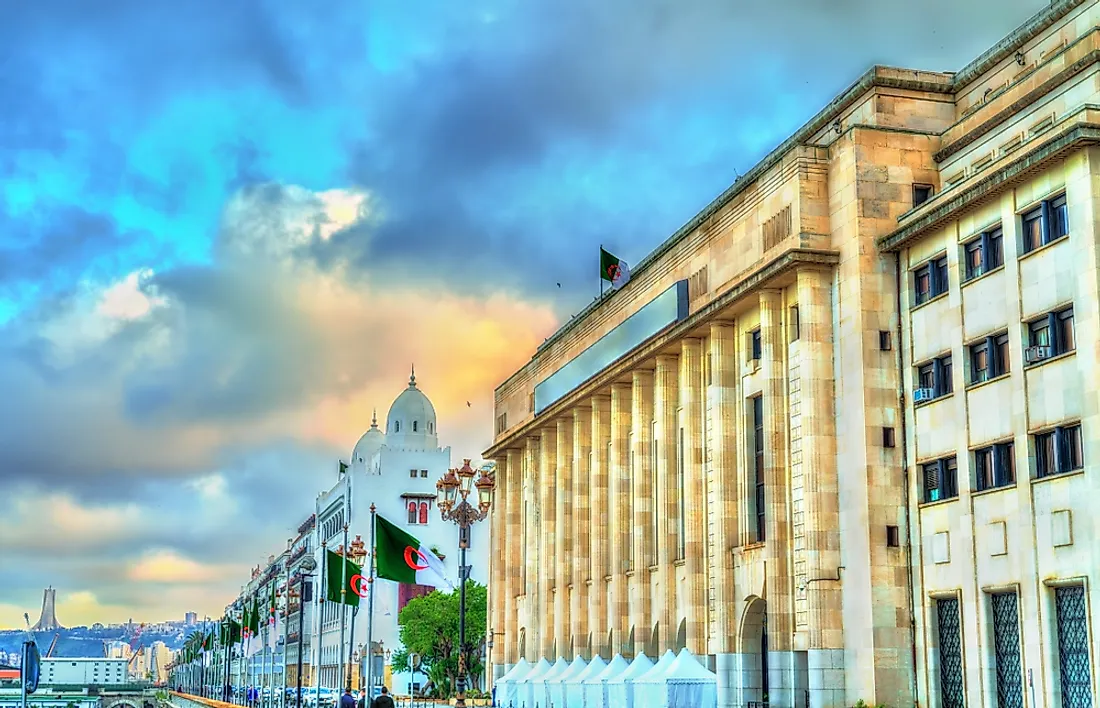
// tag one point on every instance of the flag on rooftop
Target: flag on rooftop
(613, 269)
(401, 557)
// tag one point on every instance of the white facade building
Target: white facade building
(84, 672)
(396, 470)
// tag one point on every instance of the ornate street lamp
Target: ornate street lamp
(452, 492)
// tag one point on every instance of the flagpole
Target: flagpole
(370, 606)
(321, 616)
(601, 274)
(344, 606)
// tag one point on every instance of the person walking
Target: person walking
(383, 701)
(347, 700)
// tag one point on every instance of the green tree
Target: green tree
(429, 627)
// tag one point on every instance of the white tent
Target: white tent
(506, 692)
(595, 688)
(685, 683)
(574, 686)
(523, 685)
(620, 690)
(536, 695)
(555, 687)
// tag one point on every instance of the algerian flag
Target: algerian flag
(345, 583)
(401, 557)
(613, 269)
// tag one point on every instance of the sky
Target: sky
(227, 230)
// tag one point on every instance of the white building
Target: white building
(84, 672)
(396, 470)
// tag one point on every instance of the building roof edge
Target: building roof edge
(1023, 34)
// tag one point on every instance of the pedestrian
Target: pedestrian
(383, 701)
(362, 698)
(347, 700)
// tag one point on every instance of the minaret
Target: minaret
(48, 620)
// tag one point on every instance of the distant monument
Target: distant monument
(48, 621)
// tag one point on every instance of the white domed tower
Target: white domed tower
(410, 424)
(368, 445)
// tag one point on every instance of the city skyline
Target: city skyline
(221, 256)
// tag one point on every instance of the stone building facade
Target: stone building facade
(837, 434)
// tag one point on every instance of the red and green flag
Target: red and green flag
(613, 269)
(344, 582)
(403, 558)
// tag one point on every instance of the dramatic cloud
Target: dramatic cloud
(227, 232)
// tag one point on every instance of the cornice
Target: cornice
(755, 281)
(1074, 136)
(1016, 107)
(876, 77)
(1007, 47)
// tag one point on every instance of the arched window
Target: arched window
(430, 426)
(423, 512)
(414, 426)
(412, 512)
(397, 426)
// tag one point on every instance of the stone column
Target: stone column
(582, 462)
(693, 504)
(512, 488)
(780, 611)
(563, 536)
(644, 536)
(666, 437)
(532, 541)
(619, 506)
(821, 496)
(498, 568)
(599, 525)
(723, 448)
(546, 480)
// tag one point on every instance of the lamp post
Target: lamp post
(357, 552)
(307, 566)
(452, 492)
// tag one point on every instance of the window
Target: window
(921, 194)
(754, 345)
(414, 426)
(940, 480)
(1006, 650)
(654, 496)
(681, 532)
(397, 426)
(412, 512)
(1045, 223)
(1073, 646)
(995, 466)
(989, 358)
(1050, 336)
(952, 686)
(984, 253)
(412, 474)
(423, 512)
(887, 437)
(793, 323)
(1058, 451)
(884, 340)
(930, 280)
(758, 465)
(933, 379)
(423, 474)
(892, 537)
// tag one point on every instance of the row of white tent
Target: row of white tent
(673, 682)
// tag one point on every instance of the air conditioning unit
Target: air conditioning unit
(923, 394)
(1034, 354)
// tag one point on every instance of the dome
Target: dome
(369, 444)
(411, 420)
